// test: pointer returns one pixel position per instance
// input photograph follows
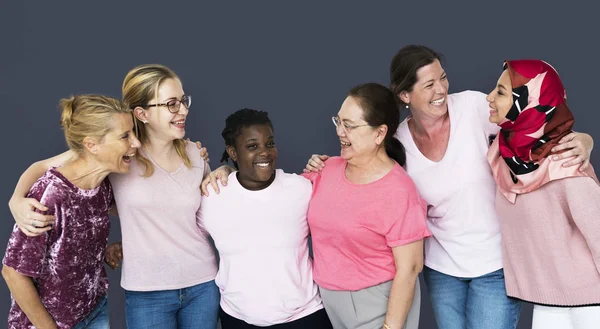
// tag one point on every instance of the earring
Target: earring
(406, 105)
(144, 122)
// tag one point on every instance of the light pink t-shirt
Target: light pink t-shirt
(163, 248)
(355, 226)
(265, 272)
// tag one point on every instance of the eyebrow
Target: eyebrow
(256, 139)
(501, 86)
(431, 80)
(174, 98)
(347, 120)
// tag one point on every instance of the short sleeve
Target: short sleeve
(409, 226)
(311, 176)
(26, 255)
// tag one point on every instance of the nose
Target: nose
(441, 87)
(135, 142)
(184, 110)
(339, 130)
(489, 97)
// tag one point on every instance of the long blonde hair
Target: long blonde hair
(88, 116)
(139, 87)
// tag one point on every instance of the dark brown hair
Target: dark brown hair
(404, 66)
(379, 107)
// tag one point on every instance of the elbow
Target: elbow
(411, 268)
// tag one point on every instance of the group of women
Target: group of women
(477, 192)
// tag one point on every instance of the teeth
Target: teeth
(345, 143)
(178, 122)
(437, 101)
(263, 164)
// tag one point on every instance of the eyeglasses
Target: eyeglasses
(338, 123)
(175, 104)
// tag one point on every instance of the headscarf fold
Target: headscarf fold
(538, 119)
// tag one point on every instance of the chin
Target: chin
(345, 154)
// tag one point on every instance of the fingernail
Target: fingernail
(554, 158)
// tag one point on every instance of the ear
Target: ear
(404, 97)
(231, 151)
(140, 113)
(381, 133)
(91, 145)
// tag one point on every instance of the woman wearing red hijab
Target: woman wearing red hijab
(549, 214)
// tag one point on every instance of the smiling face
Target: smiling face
(429, 94)
(160, 122)
(256, 156)
(356, 136)
(119, 145)
(500, 99)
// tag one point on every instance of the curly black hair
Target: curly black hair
(238, 120)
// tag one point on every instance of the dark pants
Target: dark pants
(317, 320)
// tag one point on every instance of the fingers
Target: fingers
(113, 255)
(565, 146)
(33, 203)
(584, 165)
(40, 219)
(198, 145)
(32, 231)
(323, 157)
(567, 138)
(204, 154)
(224, 179)
(565, 154)
(577, 160)
(204, 185)
(214, 183)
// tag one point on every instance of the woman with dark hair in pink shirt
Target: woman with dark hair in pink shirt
(548, 212)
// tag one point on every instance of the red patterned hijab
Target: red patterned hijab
(538, 119)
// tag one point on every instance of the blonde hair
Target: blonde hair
(88, 116)
(139, 87)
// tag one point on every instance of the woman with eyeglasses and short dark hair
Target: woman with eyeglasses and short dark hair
(168, 263)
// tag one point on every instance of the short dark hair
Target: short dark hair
(380, 108)
(238, 120)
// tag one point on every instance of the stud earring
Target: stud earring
(406, 105)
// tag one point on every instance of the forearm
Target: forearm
(24, 292)
(401, 298)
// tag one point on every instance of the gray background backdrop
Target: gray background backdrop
(295, 59)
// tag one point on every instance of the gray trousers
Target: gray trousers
(366, 308)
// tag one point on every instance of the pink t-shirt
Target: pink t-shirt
(265, 271)
(163, 248)
(355, 226)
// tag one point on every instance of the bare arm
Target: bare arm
(30, 222)
(24, 292)
(409, 263)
